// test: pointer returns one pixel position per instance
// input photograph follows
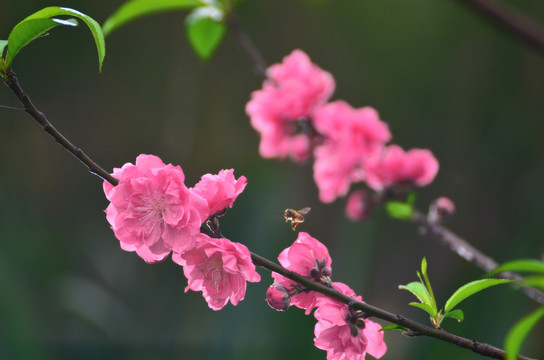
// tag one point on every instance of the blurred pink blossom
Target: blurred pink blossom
(351, 136)
(358, 205)
(219, 268)
(307, 257)
(220, 190)
(395, 166)
(292, 90)
(343, 334)
(151, 211)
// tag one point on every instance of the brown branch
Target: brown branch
(511, 20)
(12, 82)
(468, 252)
(247, 46)
(417, 328)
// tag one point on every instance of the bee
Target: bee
(295, 216)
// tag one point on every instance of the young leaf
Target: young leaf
(469, 289)
(3, 44)
(204, 30)
(536, 281)
(399, 210)
(428, 309)
(393, 327)
(420, 291)
(38, 23)
(519, 332)
(427, 282)
(411, 198)
(526, 265)
(135, 9)
(28, 30)
(456, 314)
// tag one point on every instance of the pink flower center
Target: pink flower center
(151, 208)
(213, 271)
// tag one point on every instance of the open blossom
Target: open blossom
(307, 257)
(351, 136)
(395, 166)
(219, 268)
(343, 334)
(220, 190)
(151, 211)
(292, 91)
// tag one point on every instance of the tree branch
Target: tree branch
(468, 252)
(247, 46)
(419, 329)
(13, 83)
(510, 20)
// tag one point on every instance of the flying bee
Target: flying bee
(295, 216)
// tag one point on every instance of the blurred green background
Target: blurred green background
(440, 75)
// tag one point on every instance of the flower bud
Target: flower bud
(277, 297)
(358, 205)
(441, 209)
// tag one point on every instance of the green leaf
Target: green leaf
(26, 31)
(205, 30)
(427, 282)
(526, 265)
(40, 22)
(536, 281)
(3, 44)
(420, 291)
(399, 210)
(519, 332)
(456, 314)
(428, 309)
(135, 9)
(393, 327)
(469, 289)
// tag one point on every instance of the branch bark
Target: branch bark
(468, 252)
(13, 83)
(511, 20)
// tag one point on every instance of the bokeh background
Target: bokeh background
(440, 75)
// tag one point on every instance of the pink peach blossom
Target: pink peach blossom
(151, 211)
(351, 136)
(292, 91)
(219, 268)
(395, 166)
(307, 257)
(344, 335)
(220, 190)
(358, 205)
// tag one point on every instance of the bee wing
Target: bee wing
(304, 211)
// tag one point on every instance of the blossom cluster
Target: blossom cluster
(343, 332)
(153, 213)
(348, 145)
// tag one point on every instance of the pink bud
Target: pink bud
(277, 297)
(358, 205)
(440, 209)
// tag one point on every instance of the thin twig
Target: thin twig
(247, 46)
(13, 83)
(417, 328)
(511, 20)
(468, 252)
